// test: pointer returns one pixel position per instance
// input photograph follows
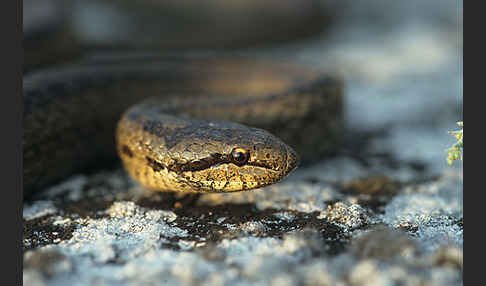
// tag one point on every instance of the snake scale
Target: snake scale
(179, 123)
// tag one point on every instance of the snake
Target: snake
(191, 124)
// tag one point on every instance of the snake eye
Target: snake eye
(240, 156)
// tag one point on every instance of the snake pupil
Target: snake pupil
(240, 156)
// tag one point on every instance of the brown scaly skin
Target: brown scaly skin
(71, 114)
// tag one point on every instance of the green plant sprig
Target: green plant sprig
(455, 152)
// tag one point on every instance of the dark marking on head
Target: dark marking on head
(201, 164)
(156, 166)
(127, 151)
(210, 161)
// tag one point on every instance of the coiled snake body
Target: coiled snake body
(185, 122)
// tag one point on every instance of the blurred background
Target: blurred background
(401, 61)
(56, 31)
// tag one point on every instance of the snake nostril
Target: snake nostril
(292, 160)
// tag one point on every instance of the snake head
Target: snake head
(203, 156)
(234, 157)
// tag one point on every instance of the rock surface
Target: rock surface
(386, 210)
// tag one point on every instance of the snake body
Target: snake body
(181, 124)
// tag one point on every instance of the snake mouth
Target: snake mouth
(204, 164)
